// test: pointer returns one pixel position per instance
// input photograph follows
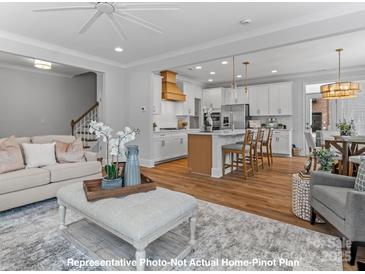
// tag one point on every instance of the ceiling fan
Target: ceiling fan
(114, 10)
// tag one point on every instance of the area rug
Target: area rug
(228, 239)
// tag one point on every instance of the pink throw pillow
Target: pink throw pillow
(11, 157)
(70, 153)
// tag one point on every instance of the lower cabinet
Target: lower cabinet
(282, 142)
(169, 146)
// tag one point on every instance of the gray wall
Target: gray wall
(33, 103)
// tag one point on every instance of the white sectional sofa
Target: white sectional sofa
(31, 185)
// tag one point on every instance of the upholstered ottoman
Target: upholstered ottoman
(138, 219)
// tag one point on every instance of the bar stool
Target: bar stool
(258, 155)
(267, 145)
(235, 151)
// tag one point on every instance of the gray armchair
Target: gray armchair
(333, 197)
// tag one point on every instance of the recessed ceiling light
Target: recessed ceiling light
(190, 68)
(42, 64)
(210, 80)
(118, 49)
(212, 73)
(198, 67)
(239, 76)
(245, 21)
(224, 62)
(274, 71)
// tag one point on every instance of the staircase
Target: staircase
(80, 128)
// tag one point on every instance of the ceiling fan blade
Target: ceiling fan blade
(117, 27)
(139, 21)
(91, 21)
(66, 8)
(147, 9)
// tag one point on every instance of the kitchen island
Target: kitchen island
(205, 150)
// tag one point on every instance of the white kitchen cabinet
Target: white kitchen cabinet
(187, 108)
(282, 142)
(258, 100)
(280, 99)
(168, 146)
(212, 98)
(156, 93)
(271, 99)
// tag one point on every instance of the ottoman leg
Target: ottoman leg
(192, 241)
(140, 259)
(62, 215)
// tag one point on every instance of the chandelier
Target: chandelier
(340, 90)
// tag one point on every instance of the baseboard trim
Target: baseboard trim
(147, 163)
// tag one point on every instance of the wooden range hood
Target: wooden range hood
(170, 90)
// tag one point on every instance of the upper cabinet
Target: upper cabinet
(280, 99)
(234, 97)
(189, 107)
(259, 100)
(212, 98)
(156, 93)
(272, 99)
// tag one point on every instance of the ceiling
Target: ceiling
(192, 24)
(308, 57)
(23, 62)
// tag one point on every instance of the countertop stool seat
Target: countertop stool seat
(241, 155)
(138, 219)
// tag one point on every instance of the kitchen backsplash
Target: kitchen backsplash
(285, 120)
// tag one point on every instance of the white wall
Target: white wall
(33, 103)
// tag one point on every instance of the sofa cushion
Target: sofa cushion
(38, 155)
(23, 179)
(53, 138)
(67, 171)
(332, 197)
(11, 157)
(20, 140)
(70, 152)
(360, 178)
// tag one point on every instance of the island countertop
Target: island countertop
(223, 132)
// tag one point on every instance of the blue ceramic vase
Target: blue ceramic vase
(111, 184)
(132, 174)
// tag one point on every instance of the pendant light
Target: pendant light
(245, 80)
(340, 90)
(233, 84)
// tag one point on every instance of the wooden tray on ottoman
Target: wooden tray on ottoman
(94, 192)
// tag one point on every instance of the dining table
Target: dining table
(347, 146)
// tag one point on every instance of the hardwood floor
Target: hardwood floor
(267, 194)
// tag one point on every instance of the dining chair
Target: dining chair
(267, 145)
(311, 147)
(241, 155)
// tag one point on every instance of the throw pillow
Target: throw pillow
(360, 178)
(70, 153)
(39, 155)
(10, 155)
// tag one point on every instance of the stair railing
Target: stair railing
(80, 126)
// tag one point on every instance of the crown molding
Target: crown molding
(53, 47)
(328, 73)
(299, 21)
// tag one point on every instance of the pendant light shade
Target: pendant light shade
(340, 90)
(245, 83)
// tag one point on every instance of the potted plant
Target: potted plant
(346, 128)
(115, 146)
(325, 159)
